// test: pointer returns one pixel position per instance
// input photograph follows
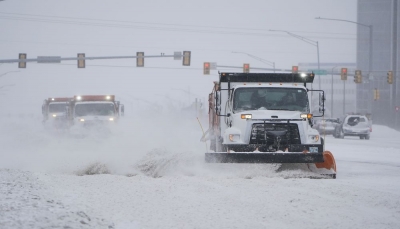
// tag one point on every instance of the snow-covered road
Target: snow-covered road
(157, 179)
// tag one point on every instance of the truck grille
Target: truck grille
(258, 135)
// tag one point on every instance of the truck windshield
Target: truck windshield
(96, 109)
(292, 99)
(57, 107)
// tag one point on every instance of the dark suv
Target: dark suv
(353, 125)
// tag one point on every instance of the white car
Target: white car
(353, 125)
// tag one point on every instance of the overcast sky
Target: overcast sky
(211, 30)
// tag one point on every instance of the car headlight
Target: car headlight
(81, 119)
(234, 137)
(111, 119)
(54, 115)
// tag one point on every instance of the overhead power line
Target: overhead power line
(155, 26)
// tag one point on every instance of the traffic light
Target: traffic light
(22, 56)
(246, 68)
(139, 59)
(358, 77)
(390, 77)
(376, 94)
(206, 68)
(81, 62)
(295, 69)
(343, 73)
(186, 58)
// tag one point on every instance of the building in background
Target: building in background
(382, 18)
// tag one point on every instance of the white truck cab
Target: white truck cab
(263, 116)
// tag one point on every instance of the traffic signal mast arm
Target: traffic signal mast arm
(22, 60)
(57, 59)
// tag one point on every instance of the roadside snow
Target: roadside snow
(142, 183)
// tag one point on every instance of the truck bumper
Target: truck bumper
(294, 148)
(244, 157)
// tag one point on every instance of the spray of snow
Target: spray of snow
(155, 146)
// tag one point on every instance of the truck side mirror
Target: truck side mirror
(321, 99)
(122, 109)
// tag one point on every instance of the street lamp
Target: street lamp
(370, 38)
(259, 59)
(8, 85)
(309, 41)
(370, 47)
(7, 72)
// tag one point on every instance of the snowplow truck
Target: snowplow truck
(54, 111)
(265, 118)
(89, 110)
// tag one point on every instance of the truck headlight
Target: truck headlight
(314, 138)
(111, 119)
(54, 115)
(81, 119)
(245, 116)
(304, 116)
(234, 137)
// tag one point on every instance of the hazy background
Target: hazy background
(211, 30)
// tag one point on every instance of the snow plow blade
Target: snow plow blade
(328, 164)
(244, 157)
(322, 164)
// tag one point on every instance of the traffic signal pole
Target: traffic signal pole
(370, 58)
